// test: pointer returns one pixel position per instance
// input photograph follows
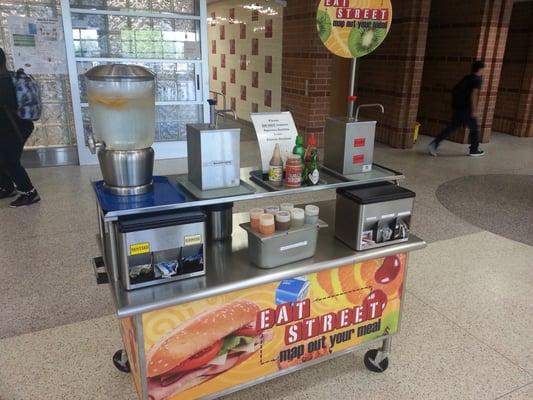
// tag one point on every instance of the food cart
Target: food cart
(206, 305)
(292, 316)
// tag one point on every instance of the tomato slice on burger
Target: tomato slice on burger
(200, 359)
(248, 330)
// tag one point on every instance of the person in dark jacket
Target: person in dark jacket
(465, 96)
(13, 135)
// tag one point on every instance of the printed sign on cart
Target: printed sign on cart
(128, 333)
(272, 129)
(215, 344)
(353, 28)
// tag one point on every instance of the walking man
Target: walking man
(465, 96)
(13, 134)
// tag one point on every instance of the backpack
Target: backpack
(29, 104)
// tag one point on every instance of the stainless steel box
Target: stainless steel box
(213, 156)
(282, 247)
(349, 145)
(373, 215)
(144, 241)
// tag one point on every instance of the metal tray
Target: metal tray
(194, 191)
(261, 179)
(270, 251)
(378, 172)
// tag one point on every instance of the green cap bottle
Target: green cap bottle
(299, 147)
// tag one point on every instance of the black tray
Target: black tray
(262, 180)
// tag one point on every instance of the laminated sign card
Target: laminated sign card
(272, 129)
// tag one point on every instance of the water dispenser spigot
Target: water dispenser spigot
(94, 145)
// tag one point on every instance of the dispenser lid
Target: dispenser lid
(376, 193)
(119, 72)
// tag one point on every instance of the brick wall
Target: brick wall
(459, 32)
(306, 69)
(514, 102)
(524, 127)
(392, 74)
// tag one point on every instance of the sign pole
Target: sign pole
(351, 89)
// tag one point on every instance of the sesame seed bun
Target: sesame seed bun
(198, 333)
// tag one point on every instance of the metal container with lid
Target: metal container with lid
(122, 105)
(373, 215)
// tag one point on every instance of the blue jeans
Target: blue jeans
(459, 119)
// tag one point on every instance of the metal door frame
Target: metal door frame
(163, 150)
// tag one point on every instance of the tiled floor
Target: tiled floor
(467, 322)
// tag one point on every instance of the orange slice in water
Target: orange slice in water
(113, 102)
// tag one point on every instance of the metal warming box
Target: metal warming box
(349, 145)
(373, 215)
(160, 248)
(213, 156)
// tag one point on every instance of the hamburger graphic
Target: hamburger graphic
(202, 348)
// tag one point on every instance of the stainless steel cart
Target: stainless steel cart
(336, 280)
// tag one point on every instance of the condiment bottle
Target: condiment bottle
(297, 218)
(299, 147)
(255, 214)
(266, 224)
(311, 214)
(275, 169)
(293, 171)
(286, 206)
(312, 175)
(283, 220)
(271, 210)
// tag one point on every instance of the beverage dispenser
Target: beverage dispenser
(122, 106)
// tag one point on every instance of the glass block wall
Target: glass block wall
(167, 45)
(56, 126)
(162, 35)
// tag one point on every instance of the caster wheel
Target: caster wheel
(372, 365)
(120, 359)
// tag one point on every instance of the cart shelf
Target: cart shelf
(378, 174)
(230, 268)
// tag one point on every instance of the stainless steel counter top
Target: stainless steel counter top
(229, 269)
(378, 174)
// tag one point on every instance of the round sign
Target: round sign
(353, 28)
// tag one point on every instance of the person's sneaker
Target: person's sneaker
(477, 153)
(25, 199)
(432, 149)
(6, 193)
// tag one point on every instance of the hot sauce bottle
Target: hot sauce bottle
(312, 175)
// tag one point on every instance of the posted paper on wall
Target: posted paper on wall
(272, 129)
(38, 44)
